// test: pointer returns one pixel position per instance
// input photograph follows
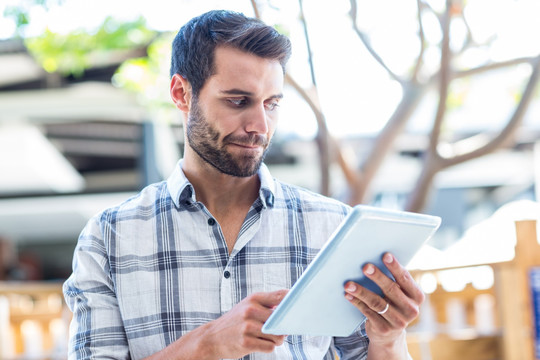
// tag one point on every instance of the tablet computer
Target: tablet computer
(316, 304)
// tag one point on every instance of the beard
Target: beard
(204, 139)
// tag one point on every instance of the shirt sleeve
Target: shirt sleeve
(354, 346)
(96, 330)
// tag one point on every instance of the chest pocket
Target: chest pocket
(274, 279)
(283, 275)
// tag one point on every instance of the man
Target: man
(191, 267)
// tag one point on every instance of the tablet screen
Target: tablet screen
(316, 305)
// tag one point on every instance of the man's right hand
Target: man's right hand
(238, 332)
(233, 335)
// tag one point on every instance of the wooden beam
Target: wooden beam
(513, 289)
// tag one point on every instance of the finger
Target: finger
(393, 293)
(266, 345)
(276, 340)
(261, 304)
(403, 278)
(378, 310)
(364, 298)
(388, 286)
(252, 328)
(404, 295)
(261, 342)
(380, 321)
(270, 299)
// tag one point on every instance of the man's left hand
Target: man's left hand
(388, 316)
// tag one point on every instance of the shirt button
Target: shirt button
(227, 274)
(211, 222)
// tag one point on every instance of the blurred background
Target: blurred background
(427, 106)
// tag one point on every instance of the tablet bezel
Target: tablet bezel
(309, 310)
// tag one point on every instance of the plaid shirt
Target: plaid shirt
(157, 266)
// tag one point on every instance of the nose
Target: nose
(257, 120)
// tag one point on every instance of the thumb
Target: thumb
(271, 299)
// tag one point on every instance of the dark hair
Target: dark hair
(194, 46)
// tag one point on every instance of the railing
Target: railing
(482, 323)
(474, 323)
(33, 321)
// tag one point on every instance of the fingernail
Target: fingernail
(370, 269)
(351, 287)
(388, 258)
(348, 297)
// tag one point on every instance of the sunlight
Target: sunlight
(356, 93)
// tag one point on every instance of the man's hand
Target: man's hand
(387, 316)
(238, 332)
(233, 335)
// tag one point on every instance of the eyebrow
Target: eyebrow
(247, 93)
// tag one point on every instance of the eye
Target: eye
(237, 102)
(272, 105)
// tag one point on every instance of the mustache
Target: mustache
(247, 140)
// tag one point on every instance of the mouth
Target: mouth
(247, 146)
(247, 149)
(250, 143)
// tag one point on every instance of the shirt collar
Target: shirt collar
(268, 187)
(180, 188)
(182, 192)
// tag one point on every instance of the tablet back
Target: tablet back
(316, 304)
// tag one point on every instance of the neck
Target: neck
(220, 193)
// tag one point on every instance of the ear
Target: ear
(180, 91)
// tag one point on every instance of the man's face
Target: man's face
(231, 122)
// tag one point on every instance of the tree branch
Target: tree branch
(255, 9)
(509, 130)
(492, 66)
(322, 139)
(308, 44)
(432, 160)
(412, 93)
(366, 43)
(419, 195)
(304, 95)
(421, 35)
(323, 136)
(444, 80)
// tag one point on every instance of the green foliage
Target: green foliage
(72, 53)
(19, 16)
(149, 76)
(20, 13)
(282, 29)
